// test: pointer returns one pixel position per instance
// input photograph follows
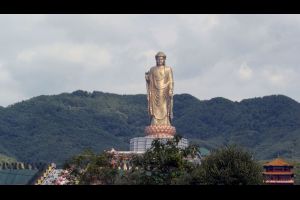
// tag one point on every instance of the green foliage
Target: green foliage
(230, 165)
(164, 163)
(55, 127)
(89, 168)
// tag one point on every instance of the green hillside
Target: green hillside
(53, 128)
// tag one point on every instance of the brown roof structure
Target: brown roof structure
(277, 162)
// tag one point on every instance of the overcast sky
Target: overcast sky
(230, 56)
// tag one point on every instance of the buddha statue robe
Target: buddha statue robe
(160, 86)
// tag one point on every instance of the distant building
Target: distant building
(278, 172)
(122, 159)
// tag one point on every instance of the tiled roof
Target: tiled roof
(16, 176)
(277, 162)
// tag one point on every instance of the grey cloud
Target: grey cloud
(49, 54)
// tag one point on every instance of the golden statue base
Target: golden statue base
(160, 131)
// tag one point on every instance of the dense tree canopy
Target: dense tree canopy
(90, 168)
(163, 163)
(230, 165)
(166, 164)
(55, 127)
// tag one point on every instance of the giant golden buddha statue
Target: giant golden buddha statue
(160, 86)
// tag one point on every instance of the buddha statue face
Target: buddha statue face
(160, 61)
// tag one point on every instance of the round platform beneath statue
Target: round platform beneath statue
(160, 131)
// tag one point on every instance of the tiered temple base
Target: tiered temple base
(163, 133)
(141, 144)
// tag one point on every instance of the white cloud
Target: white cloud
(9, 88)
(200, 23)
(245, 72)
(166, 36)
(279, 77)
(88, 55)
(234, 56)
(26, 56)
(4, 75)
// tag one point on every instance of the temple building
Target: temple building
(18, 173)
(278, 172)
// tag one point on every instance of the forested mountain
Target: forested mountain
(55, 127)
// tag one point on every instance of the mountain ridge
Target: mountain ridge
(54, 127)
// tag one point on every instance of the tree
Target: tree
(163, 164)
(89, 168)
(167, 164)
(230, 165)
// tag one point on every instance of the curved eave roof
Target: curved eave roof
(278, 162)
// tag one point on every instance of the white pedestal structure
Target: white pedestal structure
(141, 144)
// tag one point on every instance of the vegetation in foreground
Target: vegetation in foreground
(166, 164)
